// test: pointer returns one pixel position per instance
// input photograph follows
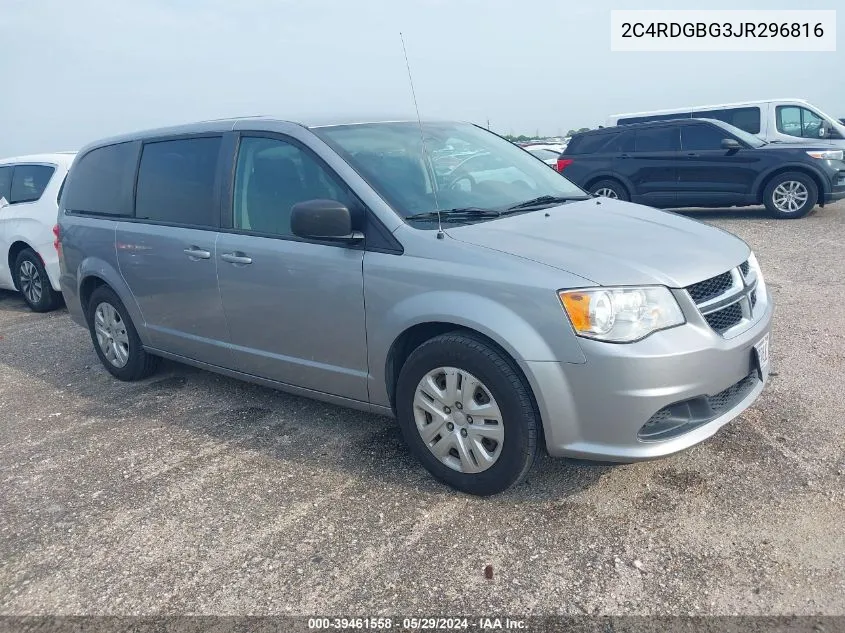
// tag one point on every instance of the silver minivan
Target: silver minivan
(490, 305)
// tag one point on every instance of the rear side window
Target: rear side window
(5, 182)
(592, 143)
(659, 139)
(176, 182)
(702, 137)
(100, 182)
(29, 182)
(747, 119)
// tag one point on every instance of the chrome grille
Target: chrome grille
(728, 300)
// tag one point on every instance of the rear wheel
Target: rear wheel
(467, 414)
(115, 339)
(790, 195)
(32, 281)
(609, 188)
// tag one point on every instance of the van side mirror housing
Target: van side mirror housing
(731, 144)
(323, 220)
(823, 131)
(3, 202)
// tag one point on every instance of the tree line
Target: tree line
(523, 138)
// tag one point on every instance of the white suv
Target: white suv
(29, 194)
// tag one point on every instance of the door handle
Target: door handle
(692, 154)
(624, 156)
(236, 258)
(195, 252)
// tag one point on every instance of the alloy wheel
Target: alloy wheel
(790, 196)
(607, 192)
(30, 281)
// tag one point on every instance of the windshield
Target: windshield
(463, 166)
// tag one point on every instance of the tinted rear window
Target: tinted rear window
(594, 143)
(29, 182)
(5, 182)
(659, 139)
(101, 181)
(176, 182)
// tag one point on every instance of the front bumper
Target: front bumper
(597, 410)
(837, 179)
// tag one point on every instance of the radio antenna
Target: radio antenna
(440, 233)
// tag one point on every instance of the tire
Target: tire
(128, 359)
(501, 388)
(777, 192)
(608, 186)
(33, 283)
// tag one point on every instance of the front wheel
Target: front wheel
(790, 195)
(34, 284)
(467, 414)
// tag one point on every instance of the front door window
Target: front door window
(798, 121)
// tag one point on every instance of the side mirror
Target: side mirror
(3, 202)
(323, 220)
(823, 132)
(731, 144)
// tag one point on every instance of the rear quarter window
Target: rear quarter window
(29, 182)
(593, 143)
(100, 182)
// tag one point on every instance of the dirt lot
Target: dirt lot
(193, 493)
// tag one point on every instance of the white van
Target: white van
(29, 194)
(774, 120)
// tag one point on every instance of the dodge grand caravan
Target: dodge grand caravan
(493, 308)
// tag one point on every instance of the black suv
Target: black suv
(703, 163)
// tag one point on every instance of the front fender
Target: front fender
(521, 339)
(818, 175)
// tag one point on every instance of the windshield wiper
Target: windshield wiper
(544, 200)
(461, 213)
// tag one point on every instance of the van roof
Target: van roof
(229, 124)
(737, 104)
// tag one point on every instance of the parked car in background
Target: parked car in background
(29, 192)
(703, 163)
(545, 152)
(773, 120)
(491, 310)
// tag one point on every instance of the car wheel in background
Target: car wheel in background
(790, 195)
(115, 339)
(609, 189)
(33, 283)
(467, 414)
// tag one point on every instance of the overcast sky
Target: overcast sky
(78, 70)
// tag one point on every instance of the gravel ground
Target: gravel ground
(194, 493)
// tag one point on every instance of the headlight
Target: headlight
(621, 315)
(831, 154)
(754, 265)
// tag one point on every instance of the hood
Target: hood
(611, 242)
